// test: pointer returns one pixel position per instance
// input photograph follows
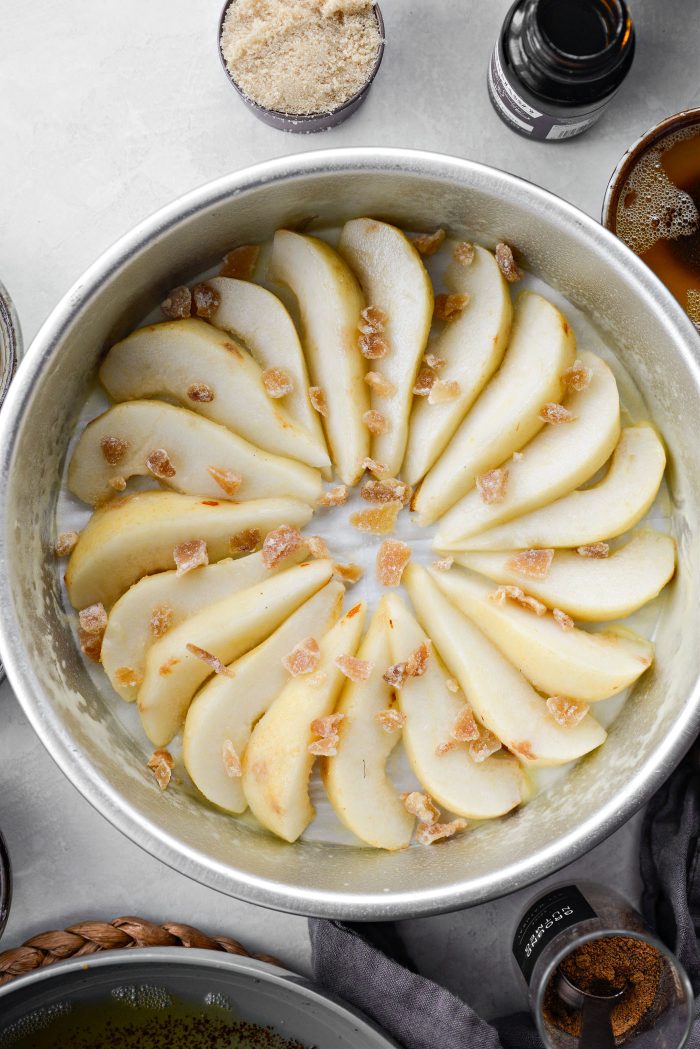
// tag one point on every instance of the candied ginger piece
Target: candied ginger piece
(375, 422)
(465, 728)
(391, 720)
(117, 483)
(205, 299)
(128, 677)
(93, 619)
(92, 623)
(65, 543)
(227, 480)
(555, 414)
(596, 550)
(211, 660)
(395, 676)
(506, 263)
(492, 485)
(532, 563)
(420, 805)
(392, 558)
(161, 762)
(427, 833)
(158, 462)
(379, 520)
(231, 760)
(349, 573)
(449, 306)
(417, 662)
(304, 657)
(178, 303)
(200, 393)
(563, 619)
(113, 449)
(326, 729)
(373, 345)
(161, 620)
(434, 362)
(240, 262)
(245, 542)
(280, 543)
(444, 564)
(428, 243)
(464, 253)
(335, 496)
(318, 400)
(378, 469)
(353, 668)
(386, 491)
(372, 319)
(443, 390)
(577, 377)
(277, 383)
(425, 380)
(190, 554)
(445, 748)
(318, 547)
(483, 747)
(514, 593)
(566, 712)
(381, 386)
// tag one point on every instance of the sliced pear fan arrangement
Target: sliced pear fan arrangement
(210, 610)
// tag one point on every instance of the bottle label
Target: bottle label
(516, 111)
(559, 909)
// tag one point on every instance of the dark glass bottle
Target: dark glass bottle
(558, 63)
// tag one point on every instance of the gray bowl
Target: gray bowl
(255, 991)
(77, 721)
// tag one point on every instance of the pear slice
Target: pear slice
(560, 458)
(454, 780)
(499, 694)
(592, 589)
(394, 279)
(171, 598)
(472, 347)
(558, 662)
(206, 371)
(226, 630)
(330, 302)
(277, 762)
(363, 796)
(224, 711)
(197, 451)
(604, 511)
(507, 414)
(136, 536)
(260, 320)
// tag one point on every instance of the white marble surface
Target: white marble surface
(109, 111)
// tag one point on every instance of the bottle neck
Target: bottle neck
(575, 51)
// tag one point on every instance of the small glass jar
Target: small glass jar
(568, 917)
(558, 63)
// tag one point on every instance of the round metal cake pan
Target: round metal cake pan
(254, 991)
(77, 720)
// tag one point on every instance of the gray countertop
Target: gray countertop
(108, 112)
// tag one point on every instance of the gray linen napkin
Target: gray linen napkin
(367, 964)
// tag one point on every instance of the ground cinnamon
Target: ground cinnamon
(603, 966)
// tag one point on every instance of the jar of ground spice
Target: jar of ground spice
(301, 65)
(596, 977)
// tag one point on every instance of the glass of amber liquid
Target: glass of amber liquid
(652, 203)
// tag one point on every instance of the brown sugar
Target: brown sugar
(604, 966)
(300, 56)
